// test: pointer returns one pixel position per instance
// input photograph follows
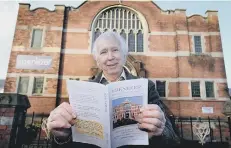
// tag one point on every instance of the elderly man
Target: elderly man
(110, 52)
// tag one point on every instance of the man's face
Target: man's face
(110, 58)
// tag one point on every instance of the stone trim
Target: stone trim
(44, 49)
(76, 51)
(53, 28)
(185, 33)
(150, 53)
(14, 75)
(22, 27)
(84, 30)
(76, 30)
(217, 80)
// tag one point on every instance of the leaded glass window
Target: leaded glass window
(23, 85)
(131, 42)
(36, 41)
(123, 21)
(209, 86)
(197, 44)
(38, 85)
(160, 85)
(195, 88)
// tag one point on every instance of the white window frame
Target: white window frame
(166, 87)
(202, 44)
(214, 92)
(203, 90)
(200, 90)
(43, 37)
(36, 94)
(18, 82)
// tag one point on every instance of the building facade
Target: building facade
(181, 54)
(126, 110)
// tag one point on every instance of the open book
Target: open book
(106, 114)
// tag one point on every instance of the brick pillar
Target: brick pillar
(13, 109)
(6, 121)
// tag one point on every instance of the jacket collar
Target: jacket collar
(127, 74)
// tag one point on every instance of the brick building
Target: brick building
(126, 110)
(181, 54)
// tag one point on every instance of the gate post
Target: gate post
(13, 108)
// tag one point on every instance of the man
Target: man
(110, 52)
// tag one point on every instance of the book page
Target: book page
(126, 99)
(90, 102)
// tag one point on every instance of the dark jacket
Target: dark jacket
(169, 139)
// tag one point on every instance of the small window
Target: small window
(209, 89)
(197, 44)
(36, 41)
(97, 34)
(140, 41)
(38, 85)
(131, 41)
(23, 85)
(195, 88)
(160, 85)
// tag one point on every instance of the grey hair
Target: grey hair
(111, 35)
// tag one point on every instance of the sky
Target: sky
(9, 10)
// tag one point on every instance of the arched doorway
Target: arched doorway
(130, 68)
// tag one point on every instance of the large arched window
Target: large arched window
(123, 21)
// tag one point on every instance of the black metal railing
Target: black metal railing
(36, 137)
(219, 135)
(219, 130)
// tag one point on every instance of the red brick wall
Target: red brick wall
(53, 38)
(40, 104)
(183, 43)
(197, 23)
(167, 68)
(5, 129)
(222, 89)
(187, 71)
(184, 89)
(51, 86)
(172, 87)
(41, 17)
(77, 40)
(156, 66)
(159, 43)
(193, 108)
(21, 38)
(10, 84)
(78, 64)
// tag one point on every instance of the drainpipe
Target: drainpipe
(63, 44)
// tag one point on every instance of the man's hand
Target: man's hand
(60, 120)
(152, 119)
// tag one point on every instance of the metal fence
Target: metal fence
(219, 128)
(34, 136)
(219, 136)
